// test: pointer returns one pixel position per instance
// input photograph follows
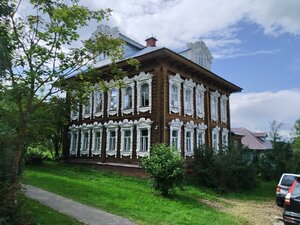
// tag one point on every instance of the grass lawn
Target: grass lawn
(129, 197)
(46, 216)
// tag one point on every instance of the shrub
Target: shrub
(165, 166)
(229, 170)
(34, 155)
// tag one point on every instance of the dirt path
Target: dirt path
(256, 213)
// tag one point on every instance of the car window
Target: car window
(296, 190)
(287, 180)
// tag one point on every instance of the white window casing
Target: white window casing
(144, 99)
(74, 134)
(111, 138)
(200, 90)
(200, 132)
(85, 139)
(225, 132)
(189, 139)
(87, 108)
(112, 99)
(224, 100)
(97, 138)
(188, 94)
(175, 93)
(143, 142)
(98, 102)
(214, 102)
(126, 137)
(215, 139)
(175, 125)
(127, 98)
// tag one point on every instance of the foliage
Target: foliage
(129, 197)
(165, 166)
(229, 170)
(35, 155)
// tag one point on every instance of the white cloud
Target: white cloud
(255, 111)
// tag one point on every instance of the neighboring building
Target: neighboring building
(255, 141)
(171, 99)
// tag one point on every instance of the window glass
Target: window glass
(287, 180)
(97, 140)
(188, 141)
(296, 191)
(144, 95)
(74, 141)
(113, 99)
(174, 96)
(174, 140)
(127, 140)
(144, 140)
(85, 141)
(188, 99)
(128, 98)
(112, 141)
(98, 101)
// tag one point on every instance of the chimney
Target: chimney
(151, 42)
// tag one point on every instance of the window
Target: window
(111, 138)
(175, 133)
(225, 137)
(113, 99)
(144, 90)
(74, 112)
(144, 95)
(74, 142)
(188, 86)
(98, 103)
(85, 139)
(126, 137)
(144, 140)
(143, 136)
(200, 101)
(215, 139)
(224, 99)
(86, 108)
(189, 139)
(97, 139)
(201, 135)
(214, 96)
(174, 93)
(174, 138)
(128, 98)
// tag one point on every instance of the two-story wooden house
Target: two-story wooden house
(174, 98)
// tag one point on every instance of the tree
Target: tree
(37, 54)
(165, 166)
(296, 141)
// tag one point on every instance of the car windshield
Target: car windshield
(287, 180)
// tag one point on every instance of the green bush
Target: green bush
(230, 170)
(165, 166)
(34, 155)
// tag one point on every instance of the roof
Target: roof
(252, 140)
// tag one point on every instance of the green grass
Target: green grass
(43, 215)
(265, 192)
(129, 197)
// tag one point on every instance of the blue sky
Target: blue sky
(255, 44)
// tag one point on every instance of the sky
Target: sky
(255, 45)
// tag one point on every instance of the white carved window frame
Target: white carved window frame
(175, 80)
(97, 127)
(200, 90)
(200, 130)
(111, 126)
(74, 116)
(215, 131)
(142, 124)
(112, 85)
(189, 127)
(87, 115)
(214, 102)
(225, 132)
(141, 79)
(84, 128)
(73, 130)
(188, 84)
(128, 82)
(126, 125)
(224, 100)
(98, 114)
(175, 125)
